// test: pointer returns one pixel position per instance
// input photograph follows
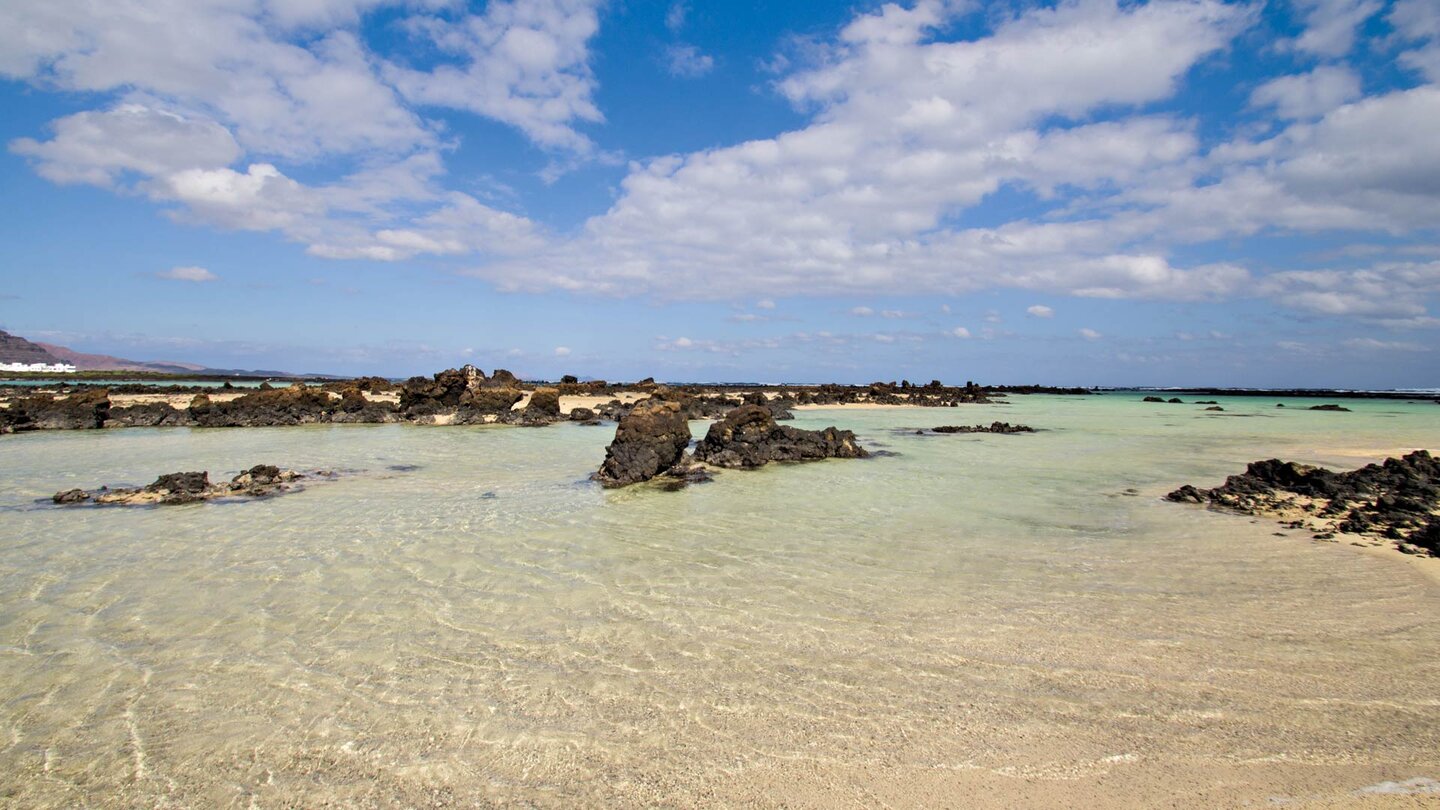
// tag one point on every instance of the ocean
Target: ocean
(976, 620)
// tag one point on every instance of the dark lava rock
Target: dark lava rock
(993, 427)
(748, 437)
(188, 487)
(649, 440)
(1175, 401)
(1214, 408)
(1152, 399)
(1396, 499)
(582, 415)
(1328, 408)
(148, 414)
(295, 405)
(85, 410)
(543, 407)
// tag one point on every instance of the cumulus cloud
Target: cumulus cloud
(1040, 311)
(562, 351)
(862, 312)
(1090, 334)
(1306, 95)
(523, 62)
(960, 332)
(687, 61)
(193, 274)
(99, 146)
(906, 129)
(1330, 24)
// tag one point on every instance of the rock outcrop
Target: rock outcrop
(84, 410)
(748, 437)
(1397, 500)
(177, 488)
(993, 427)
(649, 440)
(295, 405)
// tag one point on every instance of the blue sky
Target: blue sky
(1162, 193)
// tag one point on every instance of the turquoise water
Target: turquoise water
(35, 383)
(990, 617)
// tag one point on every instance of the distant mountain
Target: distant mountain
(15, 349)
(105, 362)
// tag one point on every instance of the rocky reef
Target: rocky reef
(1397, 500)
(172, 489)
(749, 437)
(993, 427)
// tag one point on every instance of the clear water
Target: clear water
(42, 383)
(978, 620)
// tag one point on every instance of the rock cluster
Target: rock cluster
(749, 437)
(171, 489)
(993, 427)
(1397, 500)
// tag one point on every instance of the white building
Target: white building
(40, 368)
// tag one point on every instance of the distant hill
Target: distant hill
(15, 349)
(105, 362)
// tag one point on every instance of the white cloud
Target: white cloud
(687, 61)
(1383, 291)
(562, 351)
(907, 130)
(522, 62)
(675, 16)
(765, 303)
(862, 312)
(98, 146)
(1371, 344)
(1331, 24)
(1307, 95)
(1040, 311)
(194, 274)
(960, 332)
(1090, 334)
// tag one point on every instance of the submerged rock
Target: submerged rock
(993, 427)
(177, 488)
(748, 437)
(1396, 500)
(1329, 408)
(649, 440)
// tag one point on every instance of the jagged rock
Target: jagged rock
(1175, 401)
(748, 437)
(296, 405)
(993, 427)
(84, 410)
(569, 379)
(148, 414)
(503, 379)
(1328, 408)
(188, 487)
(543, 407)
(649, 440)
(1152, 399)
(1214, 408)
(1395, 500)
(582, 415)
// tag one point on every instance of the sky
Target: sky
(1175, 192)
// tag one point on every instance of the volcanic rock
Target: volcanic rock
(649, 440)
(748, 437)
(993, 427)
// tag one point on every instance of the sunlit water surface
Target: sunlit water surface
(975, 620)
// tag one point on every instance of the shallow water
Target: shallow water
(978, 620)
